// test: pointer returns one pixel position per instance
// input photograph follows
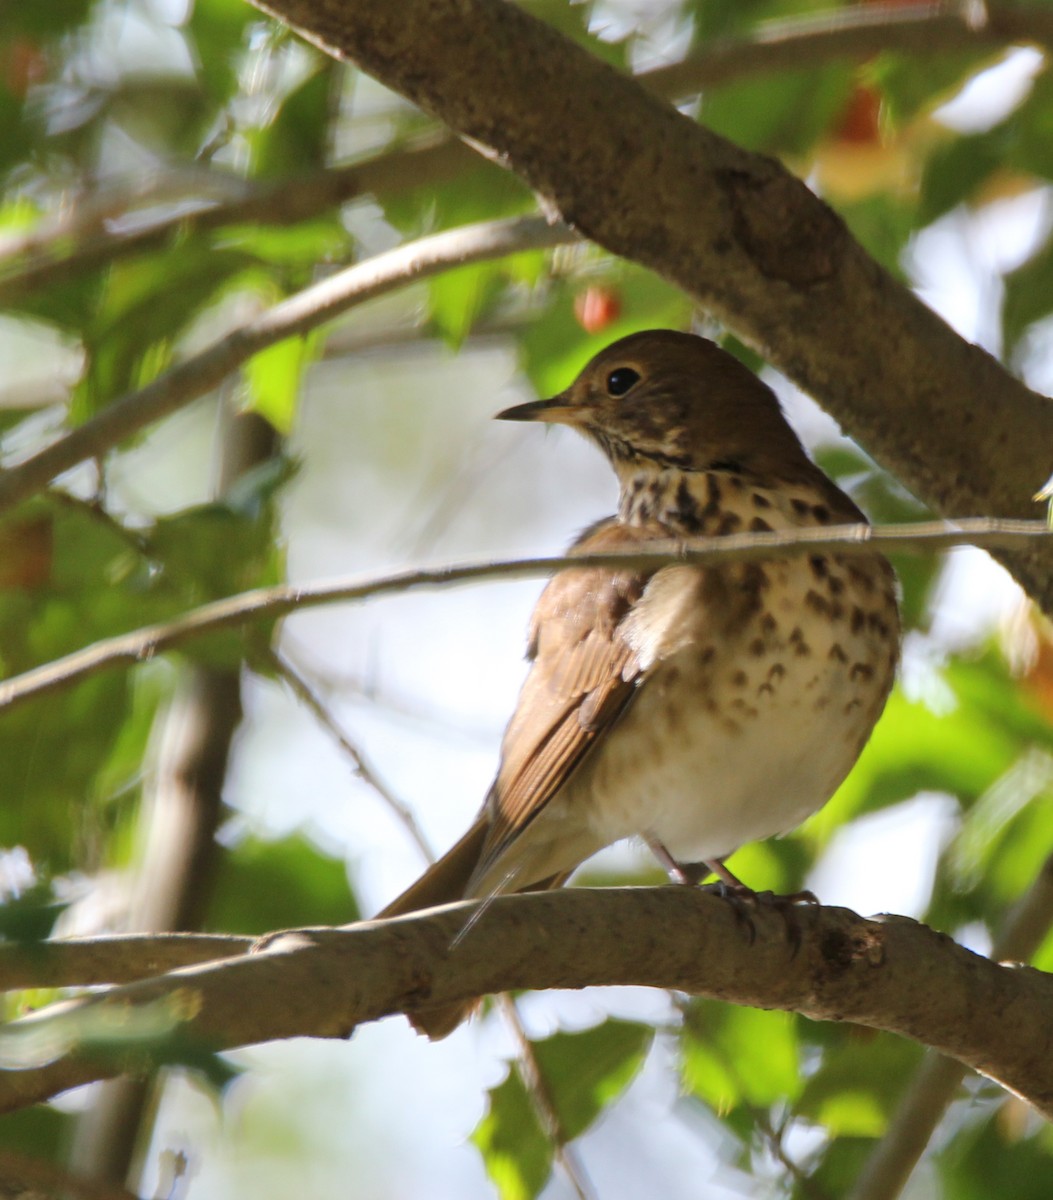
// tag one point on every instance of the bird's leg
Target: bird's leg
(740, 895)
(689, 874)
(685, 874)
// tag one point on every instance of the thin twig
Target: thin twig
(361, 765)
(296, 315)
(271, 603)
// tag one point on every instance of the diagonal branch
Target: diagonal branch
(272, 603)
(292, 317)
(889, 973)
(735, 230)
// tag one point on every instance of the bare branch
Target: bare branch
(111, 958)
(360, 764)
(29, 265)
(888, 973)
(292, 317)
(271, 603)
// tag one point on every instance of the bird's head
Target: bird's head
(676, 400)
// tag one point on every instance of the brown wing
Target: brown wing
(583, 675)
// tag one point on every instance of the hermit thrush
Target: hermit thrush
(697, 707)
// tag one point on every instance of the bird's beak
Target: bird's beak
(557, 411)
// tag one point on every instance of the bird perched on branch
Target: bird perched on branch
(697, 707)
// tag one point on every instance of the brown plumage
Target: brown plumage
(698, 708)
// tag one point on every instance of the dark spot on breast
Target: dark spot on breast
(851, 705)
(818, 604)
(837, 654)
(776, 671)
(713, 490)
(760, 501)
(818, 565)
(687, 510)
(757, 647)
(859, 619)
(800, 646)
(821, 513)
(737, 482)
(878, 624)
(861, 671)
(861, 576)
(759, 525)
(729, 522)
(800, 507)
(836, 585)
(706, 655)
(738, 679)
(768, 623)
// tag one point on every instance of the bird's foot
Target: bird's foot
(744, 900)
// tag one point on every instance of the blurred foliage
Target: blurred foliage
(123, 122)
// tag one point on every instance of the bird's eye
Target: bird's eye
(622, 380)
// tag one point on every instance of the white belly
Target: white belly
(752, 752)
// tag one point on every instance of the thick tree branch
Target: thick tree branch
(735, 230)
(889, 973)
(294, 316)
(271, 603)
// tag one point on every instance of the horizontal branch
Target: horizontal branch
(271, 603)
(296, 315)
(111, 958)
(889, 973)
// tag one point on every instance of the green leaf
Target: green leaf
(910, 83)
(585, 1072)
(267, 885)
(1028, 295)
(858, 1082)
(146, 303)
(954, 171)
(990, 1160)
(731, 1055)
(882, 224)
(456, 299)
(778, 114)
(274, 377)
(296, 141)
(31, 915)
(515, 1151)
(219, 30)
